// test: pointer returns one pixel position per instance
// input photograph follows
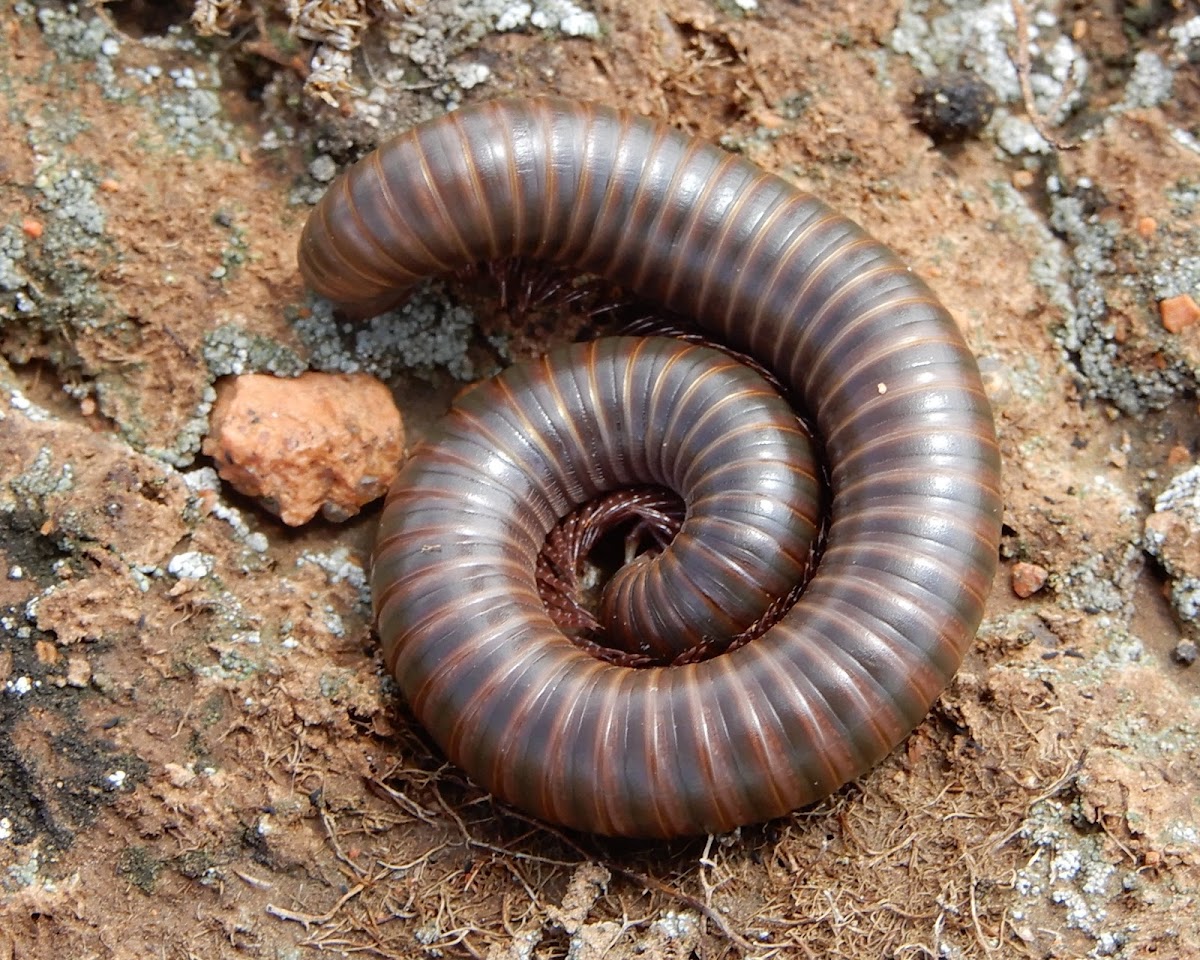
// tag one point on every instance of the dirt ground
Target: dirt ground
(199, 754)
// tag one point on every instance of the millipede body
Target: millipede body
(879, 365)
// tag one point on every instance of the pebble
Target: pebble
(323, 169)
(1178, 313)
(179, 775)
(190, 565)
(953, 106)
(1185, 653)
(1172, 536)
(1023, 179)
(79, 672)
(1028, 579)
(1178, 455)
(327, 442)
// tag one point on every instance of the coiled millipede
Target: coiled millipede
(885, 375)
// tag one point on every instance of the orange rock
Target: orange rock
(1028, 579)
(1178, 455)
(1178, 313)
(322, 441)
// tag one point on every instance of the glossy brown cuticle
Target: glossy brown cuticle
(884, 373)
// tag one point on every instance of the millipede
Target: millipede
(910, 538)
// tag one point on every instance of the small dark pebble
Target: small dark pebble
(1184, 653)
(1144, 15)
(953, 106)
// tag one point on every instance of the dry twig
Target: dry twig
(1024, 69)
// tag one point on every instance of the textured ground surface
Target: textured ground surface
(198, 753)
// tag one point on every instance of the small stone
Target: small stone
(45, 652)
(320, 442)
(190, 565)
(1023, 179)
(1028, 579)
(179, 775)
(1185, 653)
(1172, 537)
(323, 169)
(1178, 456)
(953, 106)
(79, 672)
(1178, 313)
(1146, 227)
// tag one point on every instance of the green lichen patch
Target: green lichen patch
(118, 314)
(141, 868)
(423, 335)
(231, 350)
(1114, 333)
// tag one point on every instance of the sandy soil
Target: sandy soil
(199, 754)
